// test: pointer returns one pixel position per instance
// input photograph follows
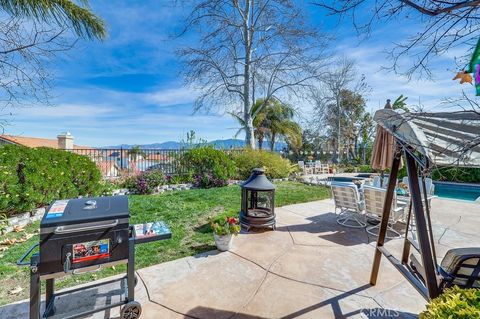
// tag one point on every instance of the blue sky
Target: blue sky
(126, 89)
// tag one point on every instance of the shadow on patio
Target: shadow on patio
(326, 227)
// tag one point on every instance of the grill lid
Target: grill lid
(85, 210)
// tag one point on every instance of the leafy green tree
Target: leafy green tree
(341, 83)
(367, 129)
(345, 116)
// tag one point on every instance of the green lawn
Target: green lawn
(186, 213)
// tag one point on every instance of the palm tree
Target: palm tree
(401, 104)
(136, 152)
(64, 12)
(271, 120)
(258, 116)
(279, 123)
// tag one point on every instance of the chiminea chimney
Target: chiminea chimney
(65, 141)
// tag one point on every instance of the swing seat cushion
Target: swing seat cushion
(461, 267)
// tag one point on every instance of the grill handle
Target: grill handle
(21, 261)
(87, 270)
(76, 229)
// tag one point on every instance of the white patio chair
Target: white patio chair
(347, 199)
(376, 181)
(301, 164)
(374, 200)
(317, 168)
(386, 179)
(430, 188)
(325, 169)
(304, 168)
(379, 183)
(428, 185)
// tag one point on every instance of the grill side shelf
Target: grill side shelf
(148, 232)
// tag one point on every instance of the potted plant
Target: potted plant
(223, 230)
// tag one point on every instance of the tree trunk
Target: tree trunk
(339, 156)
(364, 153)
(260, 141)
(272, 142)
(249, 132)
(249, 135)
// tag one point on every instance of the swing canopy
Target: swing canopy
(445, 138)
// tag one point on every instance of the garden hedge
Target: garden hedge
(457, 174)
(444, 174)
(33, 177)
(208, 166)
(275, 166)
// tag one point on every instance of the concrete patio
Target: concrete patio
(310, 267)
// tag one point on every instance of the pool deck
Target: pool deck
(310, 267)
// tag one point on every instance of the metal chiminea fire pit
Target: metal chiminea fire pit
(258, 202)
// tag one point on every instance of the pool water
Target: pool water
(468, 192)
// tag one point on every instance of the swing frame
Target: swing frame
(430, 288)
(426, 140)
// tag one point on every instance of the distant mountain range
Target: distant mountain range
(221, 144)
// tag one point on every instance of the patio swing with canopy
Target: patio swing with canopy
(429, 140)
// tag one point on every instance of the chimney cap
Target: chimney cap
(65, 134)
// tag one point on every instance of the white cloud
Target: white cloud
(173, 96)
(63, 110)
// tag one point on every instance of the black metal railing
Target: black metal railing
(118, 162)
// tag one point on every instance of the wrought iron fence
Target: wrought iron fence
(118, 162)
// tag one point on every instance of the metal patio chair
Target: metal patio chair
(374, 200)
(347, 199)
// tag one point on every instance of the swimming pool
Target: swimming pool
(468, 192)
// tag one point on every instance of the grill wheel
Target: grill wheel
(131, 310)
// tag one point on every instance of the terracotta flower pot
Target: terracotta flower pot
(223, 242)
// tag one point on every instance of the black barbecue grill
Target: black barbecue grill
(83, 235)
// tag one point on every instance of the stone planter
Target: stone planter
(223, 242)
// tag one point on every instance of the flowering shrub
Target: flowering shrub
(141, 185)
(224, 225)
(145, 182)
(33, 177)
(208, 166)
(208, 180)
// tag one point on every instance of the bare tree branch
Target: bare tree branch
(249, 50)
(443, 25)
(25, 49)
